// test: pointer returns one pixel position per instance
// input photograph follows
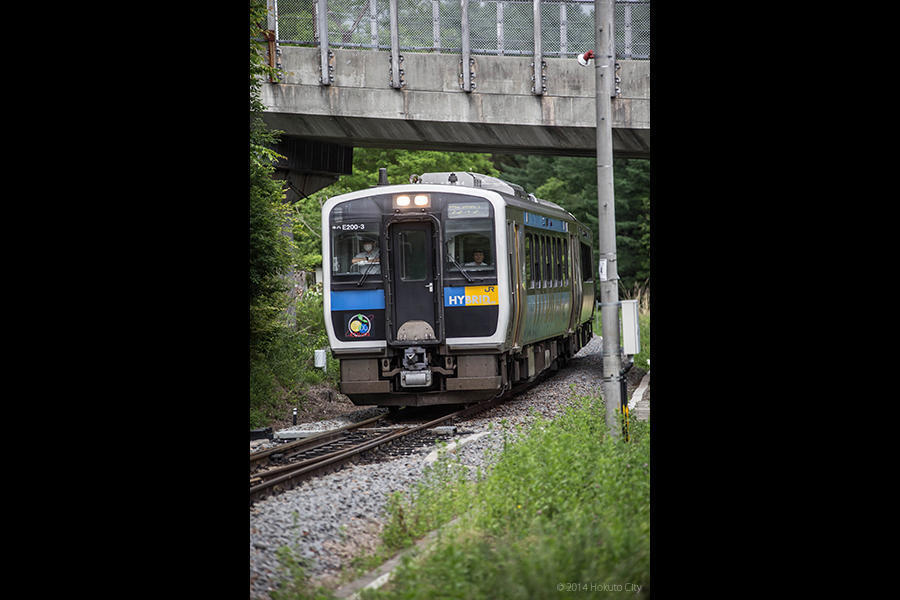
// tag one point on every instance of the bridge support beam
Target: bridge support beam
(310, 165)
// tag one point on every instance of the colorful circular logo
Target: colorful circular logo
(359, 326)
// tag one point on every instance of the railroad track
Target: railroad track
(281, 468)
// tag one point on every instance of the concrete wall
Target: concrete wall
(432, 112)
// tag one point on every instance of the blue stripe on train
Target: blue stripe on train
(357, 300)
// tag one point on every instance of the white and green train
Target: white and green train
(452, 289)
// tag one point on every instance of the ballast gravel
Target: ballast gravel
(328, 520)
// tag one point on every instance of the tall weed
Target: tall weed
(443, 493)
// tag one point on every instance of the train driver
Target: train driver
(369, 253)
(478, 259)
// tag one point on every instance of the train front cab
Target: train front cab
(422, 324)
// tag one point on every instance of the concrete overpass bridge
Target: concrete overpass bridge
(389, 74)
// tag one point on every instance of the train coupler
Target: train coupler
(416, 372)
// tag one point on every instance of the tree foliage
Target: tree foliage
(270, 255)
(571, 182)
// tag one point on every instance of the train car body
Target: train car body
(416, 317)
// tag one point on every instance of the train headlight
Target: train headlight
(406, 200)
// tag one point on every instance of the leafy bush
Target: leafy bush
(279, 375)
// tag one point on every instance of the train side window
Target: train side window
(548, 252)
(587, 267)
(528, 280)
(543, 277)
(558, 259)
(536, 266)
(552, 258)
(565, 253)
(548, 263)
(559, 262)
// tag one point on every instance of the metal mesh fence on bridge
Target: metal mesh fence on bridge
(500, 27)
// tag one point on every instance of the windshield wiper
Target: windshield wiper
(461, 270)
(366, 274)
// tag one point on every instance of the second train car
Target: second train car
(452, 289)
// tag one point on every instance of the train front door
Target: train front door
(413, 280)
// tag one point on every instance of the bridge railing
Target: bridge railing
(498, 27)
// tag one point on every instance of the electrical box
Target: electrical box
(321, 359)
(631, 327)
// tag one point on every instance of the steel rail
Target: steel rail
(292, 474)
(263, 475)
(299, 473)
(322, 437)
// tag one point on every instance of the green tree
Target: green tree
(273, 345)
(632, 190)
(269, 250)
(571, 182)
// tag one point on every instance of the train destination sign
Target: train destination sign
(468, 210)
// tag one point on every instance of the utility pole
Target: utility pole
(604, 69)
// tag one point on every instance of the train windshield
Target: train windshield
(469, 239)
(355, 228)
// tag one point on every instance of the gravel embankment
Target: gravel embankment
(331, 519)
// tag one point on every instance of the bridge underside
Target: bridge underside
(310, 165)
(458, 137)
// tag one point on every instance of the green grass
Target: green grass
(564, 504)
(295, 581)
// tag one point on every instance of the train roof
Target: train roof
(487, 182)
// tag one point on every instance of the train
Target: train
(452, 289)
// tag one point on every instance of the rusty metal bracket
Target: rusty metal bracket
(329, 78)
(274, 53)
(534, 87)
(461, 75)
(400, 72)
(618, 81)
